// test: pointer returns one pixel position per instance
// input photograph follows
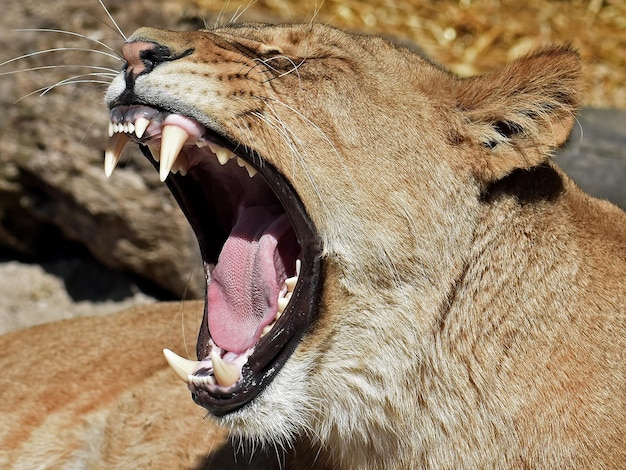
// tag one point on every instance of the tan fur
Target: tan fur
(95, 393)
(474, 305)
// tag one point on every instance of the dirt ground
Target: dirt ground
(468, 36)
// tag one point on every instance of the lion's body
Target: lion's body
(77, 394)
(473, 312)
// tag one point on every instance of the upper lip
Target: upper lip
(191, 151)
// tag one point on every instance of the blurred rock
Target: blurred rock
(595, 155)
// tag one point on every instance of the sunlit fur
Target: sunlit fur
(473, 309)
(473, 305)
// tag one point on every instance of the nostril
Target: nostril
(134, 53)
(143, 56)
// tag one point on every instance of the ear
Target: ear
(522, 113)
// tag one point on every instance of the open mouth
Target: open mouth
(260, 250)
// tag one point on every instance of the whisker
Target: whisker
(220, 16)
(119, 30)
(73, 79)
(60, 49)
(294, 69)
(69, 33)
(110, 72)
(67, 81)
(267, 100)
(316, 11)
(238, 13)
(43, 90)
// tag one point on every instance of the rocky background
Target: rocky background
(73, 242)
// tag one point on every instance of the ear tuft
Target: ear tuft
(525, 111)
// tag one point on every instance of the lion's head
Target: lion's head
(337, 185)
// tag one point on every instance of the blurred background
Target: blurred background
(74, 243)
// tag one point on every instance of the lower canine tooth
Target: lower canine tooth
(225, 374)
(183, 367)
(172, 140)
(114, 149)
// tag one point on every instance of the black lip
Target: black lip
(274, 349)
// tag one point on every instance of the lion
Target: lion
(398, 275)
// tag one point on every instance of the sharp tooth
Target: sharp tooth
(282, 304)
(130, 128)
(111, 128)
(141, 124)
(223, 155)
(267, 329)
(183, 367)
(114, 149)
(290, 282)
(298, 266)
(225, 374)
(172, 141)
(181, 164)
(244, 164)
(251, 170)
(155, 152)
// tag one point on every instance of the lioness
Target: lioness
(397, 274)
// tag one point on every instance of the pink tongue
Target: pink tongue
(243, 293)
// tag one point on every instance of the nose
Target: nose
(141, 57)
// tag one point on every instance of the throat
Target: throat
(246, 282)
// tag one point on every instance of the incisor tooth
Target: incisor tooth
(141, 124)
(225, 374)
(183, 367)
(172, 140)
(114, 149)
(111, 129)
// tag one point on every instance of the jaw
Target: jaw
(261, 252)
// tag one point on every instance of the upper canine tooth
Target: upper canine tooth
(173, 139)
(114, 149)
(141, 124)
(225, 374)
(183, 367)
(111, 128)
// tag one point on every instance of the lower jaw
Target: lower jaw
(270, 354)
